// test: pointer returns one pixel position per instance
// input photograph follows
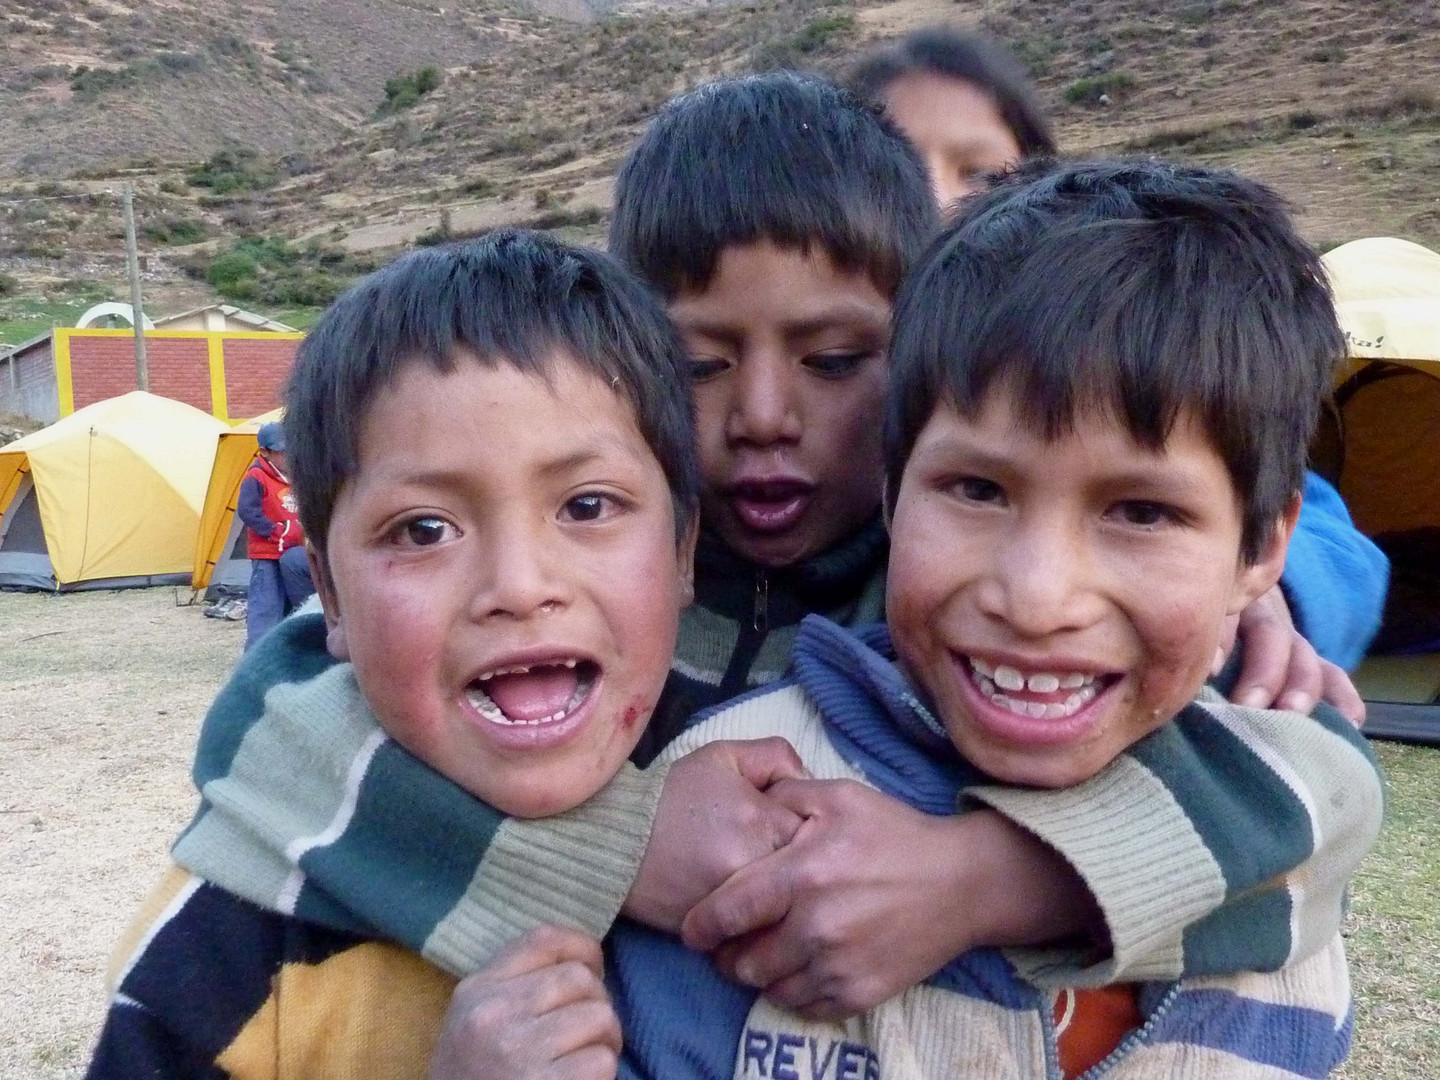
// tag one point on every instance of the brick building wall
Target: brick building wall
(231, 375)
(255, 373)
(104, 367)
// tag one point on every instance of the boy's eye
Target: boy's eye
(592, 506)
(978, 489)
(424, 531)
(835, 365)
(1144, 514)
(706, 367)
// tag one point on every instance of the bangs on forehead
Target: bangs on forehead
(1094, 323)
(514, 297)
(1140, 290)
(787, 158)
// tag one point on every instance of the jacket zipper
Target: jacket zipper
(761, 619)
(1135, 1038)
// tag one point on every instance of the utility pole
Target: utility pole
(137, 311)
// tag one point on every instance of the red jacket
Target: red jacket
(271, 518)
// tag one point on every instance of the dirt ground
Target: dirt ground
(101, 695)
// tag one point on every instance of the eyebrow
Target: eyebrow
(601, 448)
(852, 315)
(1178, 481)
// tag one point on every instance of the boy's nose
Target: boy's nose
(764, 409)
(517, 577)
(1041, 585)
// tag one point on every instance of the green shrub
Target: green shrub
(793, 50)
(1115, 85)
(227, 271)
(270, 270)
(404, 91)
(175, 230)
(232, 169)
(9, 284)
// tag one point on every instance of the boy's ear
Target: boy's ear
(1265, 571)
(685, 557)
(325, 589)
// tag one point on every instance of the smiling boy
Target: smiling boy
(1104, 379)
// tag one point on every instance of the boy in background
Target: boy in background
(275, 540)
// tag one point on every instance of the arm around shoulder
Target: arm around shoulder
(1221, 843)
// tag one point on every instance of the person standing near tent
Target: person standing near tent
(279, 573)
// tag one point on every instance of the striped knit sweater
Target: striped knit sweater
(330, 843)
(851, 715)
(738, 633)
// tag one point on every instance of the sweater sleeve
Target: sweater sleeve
(1335, 577)
(248, 506)
(418, 858)
(1221, 843)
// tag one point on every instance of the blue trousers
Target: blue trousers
(277, 587)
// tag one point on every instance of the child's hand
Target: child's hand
(1279, 669)
(872, 897)
(539, 1011)
(713, 818)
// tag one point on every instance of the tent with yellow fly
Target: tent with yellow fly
(1380, 444)
(107, 497)
(220, 562)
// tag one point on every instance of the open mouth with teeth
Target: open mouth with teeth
(529, 695)
(1038, 695)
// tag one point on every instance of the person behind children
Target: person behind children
(967, 106)
(1104, 379)
(493, 455)
(880, 912)
(275, 541)
(963, 100)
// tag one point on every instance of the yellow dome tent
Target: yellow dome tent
(220, 560)
(107, 497)
(1382, 447)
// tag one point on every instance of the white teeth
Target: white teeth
(1007, 678)
(1040, 710)
(1043, 683)
(982, 668)
(523, 669)
(1075, 680)
(493, 713)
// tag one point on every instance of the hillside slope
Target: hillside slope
(1331, 100)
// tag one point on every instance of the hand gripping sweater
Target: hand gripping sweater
(851, 715)
(320, 843)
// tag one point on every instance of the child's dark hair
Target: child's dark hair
(968, 57)
(513, 297)
(789, 158)
(1140, 288)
